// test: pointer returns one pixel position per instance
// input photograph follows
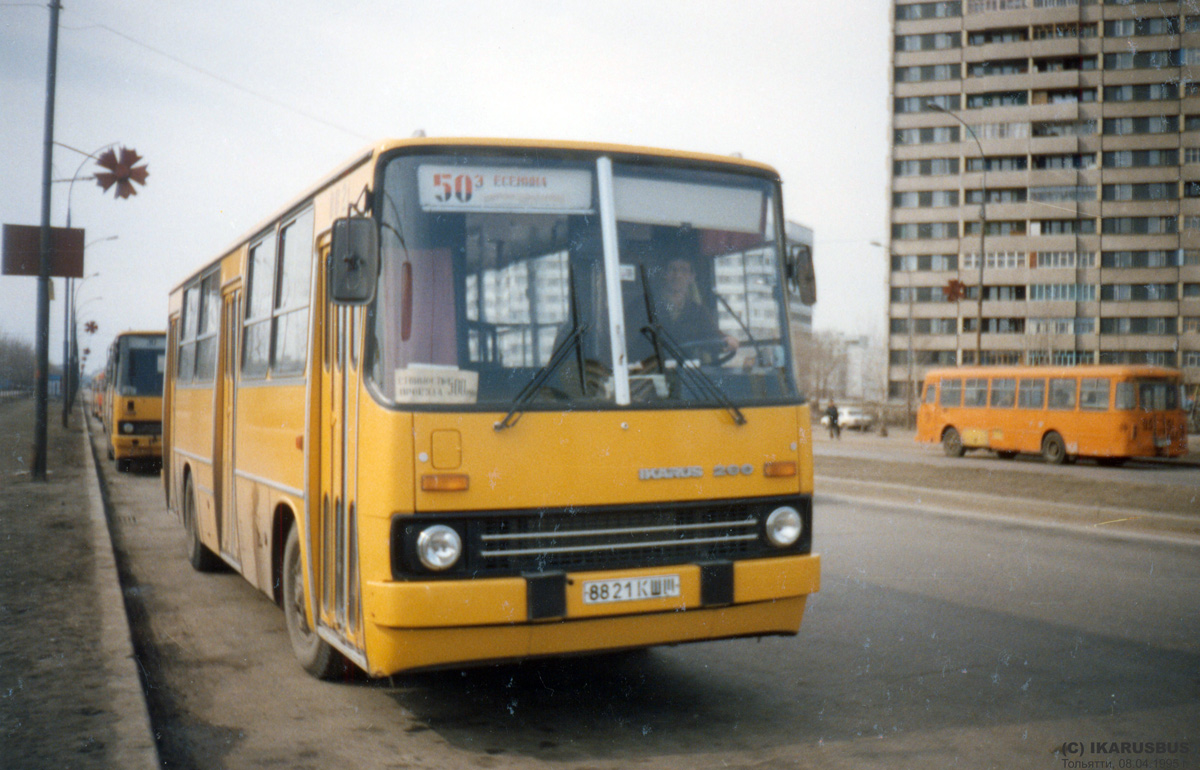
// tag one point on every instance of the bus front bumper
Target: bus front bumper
(428, 624)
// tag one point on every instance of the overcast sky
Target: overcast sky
(238, 106)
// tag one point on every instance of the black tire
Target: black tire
(1054, 449)
(315, 655)
(199, 556)
(952, 443)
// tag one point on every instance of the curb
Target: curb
(1101, 520)
(134, 738)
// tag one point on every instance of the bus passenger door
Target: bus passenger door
(335, 543)
(225, 486)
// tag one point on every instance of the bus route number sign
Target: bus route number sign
(504, 189)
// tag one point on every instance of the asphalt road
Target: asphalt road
(936, 641)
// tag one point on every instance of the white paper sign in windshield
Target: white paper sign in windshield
(706, 207)
(504, 190)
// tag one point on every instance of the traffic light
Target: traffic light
(955, 290)
(123, 171)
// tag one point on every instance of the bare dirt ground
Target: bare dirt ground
(52, 682)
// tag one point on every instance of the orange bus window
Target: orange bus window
(1032, 394)
(1062, 393)
(951, 393)
(1093, 393)
(930, 393)
(1126, 396)
(1004, 392)
(975, 392)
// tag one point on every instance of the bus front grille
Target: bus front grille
(589, 539)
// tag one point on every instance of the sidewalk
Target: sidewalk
(70, 696)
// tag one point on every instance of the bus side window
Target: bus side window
(1093, 393)
(1032, 394)
(975, 392)
(1004, 392)
(1126, 396)
(951, 393)
(930, 393)
(1062, 393)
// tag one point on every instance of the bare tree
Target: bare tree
(17, 362)
(821, 360)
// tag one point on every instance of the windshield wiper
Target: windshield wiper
(692, 375)
(573, 341)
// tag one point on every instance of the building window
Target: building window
(1141, 158)
(1152, 191)
(1066, 226)
(1052, 259)
(1152, 357)
(998, 163)
(1061, 325)
(943, 10)
(913, 104)
(1045, 128)
(935, 135)
(924, 230)
(996, 227)
(1141, 259)
(1062, 292)
(1140, 225)
(993, 36)
(1138, 292)
(937, 41)
(925, 199)
(929, 73)
(1144, 92)
(1147, 25)
(1063, 193)
(1068, 30)
(1150, 124)
(1137, 325)
(997, 99)
(1068, 161)
(1000, 260)
(926, 167)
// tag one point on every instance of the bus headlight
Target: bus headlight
(784, 526)
(439, 547)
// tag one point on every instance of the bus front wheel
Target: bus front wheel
(1054, 450)
(202, 559)
(952, 443)
(315, 655)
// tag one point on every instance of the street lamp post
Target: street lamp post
(982, 226)
(70, 375)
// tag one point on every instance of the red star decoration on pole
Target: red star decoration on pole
(122, 171)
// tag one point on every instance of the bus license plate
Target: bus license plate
(630, 589)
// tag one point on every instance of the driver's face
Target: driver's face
(679, 275)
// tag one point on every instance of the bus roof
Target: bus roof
(1081, 370)
(377, 149)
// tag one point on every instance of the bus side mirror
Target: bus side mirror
(801, 277)
(353, 261)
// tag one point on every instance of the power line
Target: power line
(226, 81)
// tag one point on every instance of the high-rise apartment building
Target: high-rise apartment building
(1045, 154)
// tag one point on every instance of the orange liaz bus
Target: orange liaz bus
(1110, 413)
(483, 400)
(132, 406)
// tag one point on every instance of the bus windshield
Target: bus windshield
(143, 361)
(498, 282)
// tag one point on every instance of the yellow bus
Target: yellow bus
(131, 407)
(480, 400)
(1108, 412)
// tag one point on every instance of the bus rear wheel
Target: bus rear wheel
(315, 655)
(952, 443)
(1054, 450)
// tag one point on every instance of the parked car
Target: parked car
(852, 418)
